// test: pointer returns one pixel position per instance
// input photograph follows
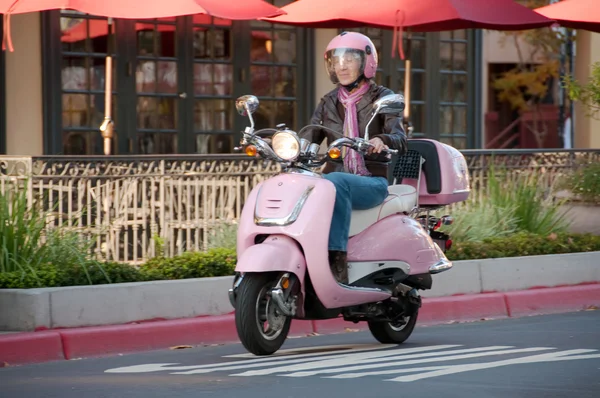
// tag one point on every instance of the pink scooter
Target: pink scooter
(283, 270)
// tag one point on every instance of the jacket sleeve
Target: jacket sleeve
(393, 134)
(313, 134)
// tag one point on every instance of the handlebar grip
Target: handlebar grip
(392, 151)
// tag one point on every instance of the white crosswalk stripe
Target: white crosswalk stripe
(403, 364)
(334, 364)
(337, 360)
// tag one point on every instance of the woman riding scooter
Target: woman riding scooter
(361, 183)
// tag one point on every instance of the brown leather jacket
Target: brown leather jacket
(330, 113)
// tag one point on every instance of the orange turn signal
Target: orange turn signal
(335, 153)
(251, 150)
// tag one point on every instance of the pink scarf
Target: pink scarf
(353, 161)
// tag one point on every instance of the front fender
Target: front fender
(278, 253)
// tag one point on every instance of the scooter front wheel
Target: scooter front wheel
(261, 327)
(389, 333)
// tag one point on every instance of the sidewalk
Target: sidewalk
(74, 343)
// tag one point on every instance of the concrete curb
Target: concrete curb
(61, 344)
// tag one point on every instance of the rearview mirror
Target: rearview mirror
(391, 104)
(246, 105)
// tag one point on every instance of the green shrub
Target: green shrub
(481, 221)
(99, 273)
(27, 247)
(51, 275)
(524, 244)
(70, 250)
(221, 262)
(531, 200)
(43, 276)
(584, 182)
(21, 227)
(214, 262)
(522, 203)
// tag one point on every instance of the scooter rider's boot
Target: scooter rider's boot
(339, 265)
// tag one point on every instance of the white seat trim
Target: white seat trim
(401, 198)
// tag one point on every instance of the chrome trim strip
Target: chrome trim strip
(440, 266)
(289, 219)
(365, 289)
(296, 170)
(461, 191)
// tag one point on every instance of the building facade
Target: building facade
(175, 82)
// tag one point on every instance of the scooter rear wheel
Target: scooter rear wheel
(387, 333)
(254, 310)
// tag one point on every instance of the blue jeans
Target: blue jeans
(353, 192)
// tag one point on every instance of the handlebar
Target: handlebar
(359, 144)
(309, 152)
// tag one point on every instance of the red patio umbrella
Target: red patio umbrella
(135, 9)
(97, 28)
(417, 16)
(142, 9)
(575, 14)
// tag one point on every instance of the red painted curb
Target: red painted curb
(114, 339)
(29, 347)
(468, 307)
(552, 300)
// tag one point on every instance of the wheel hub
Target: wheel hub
(400, 324)
(269, 320)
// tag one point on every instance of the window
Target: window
(213, 85)
(156, 86)
(417, 53)
(174, 81)
(83, 72)
(273, 71)
(453, 88)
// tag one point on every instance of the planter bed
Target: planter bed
(122, 303)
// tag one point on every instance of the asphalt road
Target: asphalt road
(545, 356)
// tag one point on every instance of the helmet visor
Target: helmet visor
(344, 61)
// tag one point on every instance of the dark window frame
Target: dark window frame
(51, 82)
(52, 87)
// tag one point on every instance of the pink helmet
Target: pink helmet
(357, 44)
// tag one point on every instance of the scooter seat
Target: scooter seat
(401, 198)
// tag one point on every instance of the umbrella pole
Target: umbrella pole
(106, 129)
(408, 127)
(571, 106)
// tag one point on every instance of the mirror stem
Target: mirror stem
(408, 127)
(250, 116)
(368, 124)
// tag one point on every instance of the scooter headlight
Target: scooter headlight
(286, 145)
